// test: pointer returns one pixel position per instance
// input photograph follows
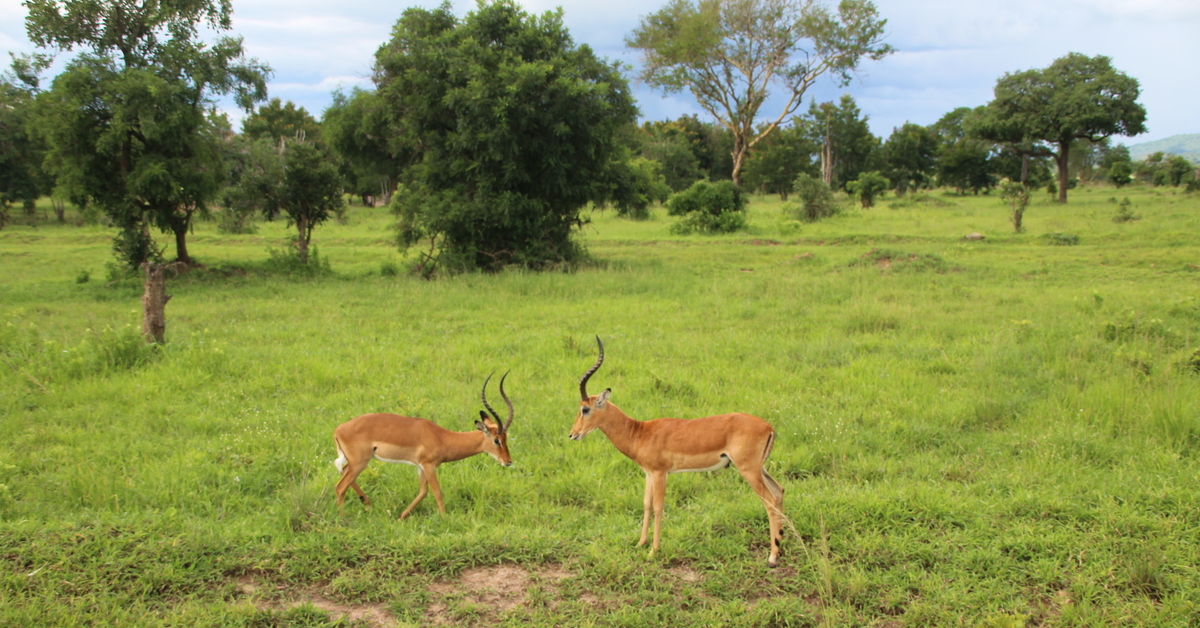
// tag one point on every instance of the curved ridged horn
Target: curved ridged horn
(583, 382)
(507, 401)
(483, 397)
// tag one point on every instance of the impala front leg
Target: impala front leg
(437, 488)
(659, 490)
(647, 505)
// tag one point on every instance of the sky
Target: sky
(949, 53)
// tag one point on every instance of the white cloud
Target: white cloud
(950, 52)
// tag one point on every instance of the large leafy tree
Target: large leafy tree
(963, 162)
(1076, 98)
(511, 126)
(125, 122)
(20, 154)
(729, 54)
(847, 146)
(355, 126)
(278, 119)
(775, 163)
(910, 156)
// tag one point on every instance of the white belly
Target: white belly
(716, 467)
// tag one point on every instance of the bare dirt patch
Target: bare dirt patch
(497, 589)
(369, 614)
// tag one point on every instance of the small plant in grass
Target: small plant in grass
(1125, 211)
(1017, 196)
(814, 199)
(709, 208)
(389, 269)
(1059, 238)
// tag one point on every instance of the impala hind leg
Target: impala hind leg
(771, 494)
(424, 488)
(350, 472)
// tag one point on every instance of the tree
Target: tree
(21, 179)
(844, 135)
(1077, 97)
(355, 126)
(311, 190)
(1120, 174)
(963, 162)
(775, 162)
(125, 123)
(1174, 171)
(910, 156)
(636, 183)
(730, 53)
(676, 148)
(276, 120)
(511, 127)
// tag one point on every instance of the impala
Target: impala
(664, 446)
(419, 442)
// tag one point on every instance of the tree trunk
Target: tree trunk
(302, 241)
(154, 303)
(739, 160)
(181, 252)
(1064, 149)
(827, 158)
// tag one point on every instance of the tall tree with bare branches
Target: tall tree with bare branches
(730, 53)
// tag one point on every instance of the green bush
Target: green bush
(709, 207)
(814, 199)
(867, 186)
(1059, 238)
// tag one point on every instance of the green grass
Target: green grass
(995, 433)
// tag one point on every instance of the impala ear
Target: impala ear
(602, 398)
(481, 425)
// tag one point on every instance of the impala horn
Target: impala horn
(483, 397)
(507, 401)
(583, 382)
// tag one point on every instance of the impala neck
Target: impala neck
(459, 445)
(622, 430)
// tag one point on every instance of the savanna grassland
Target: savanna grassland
(994, 433)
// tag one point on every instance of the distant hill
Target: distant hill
(1184, 145)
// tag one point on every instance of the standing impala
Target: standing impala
(665, 446)
(419, 442)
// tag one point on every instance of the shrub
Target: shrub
(634, 185)
(867, 186)
(1125, 211)
(814, 199)
(1059, 238)
(1017, 196)
(709, 207)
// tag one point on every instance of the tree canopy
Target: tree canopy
(1077, 97)
(126, 122)
(511, 126)
(277, 119)
(730, 53)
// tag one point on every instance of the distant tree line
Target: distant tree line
(488, 154)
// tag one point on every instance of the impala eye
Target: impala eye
(496, 440)
(586, 409)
